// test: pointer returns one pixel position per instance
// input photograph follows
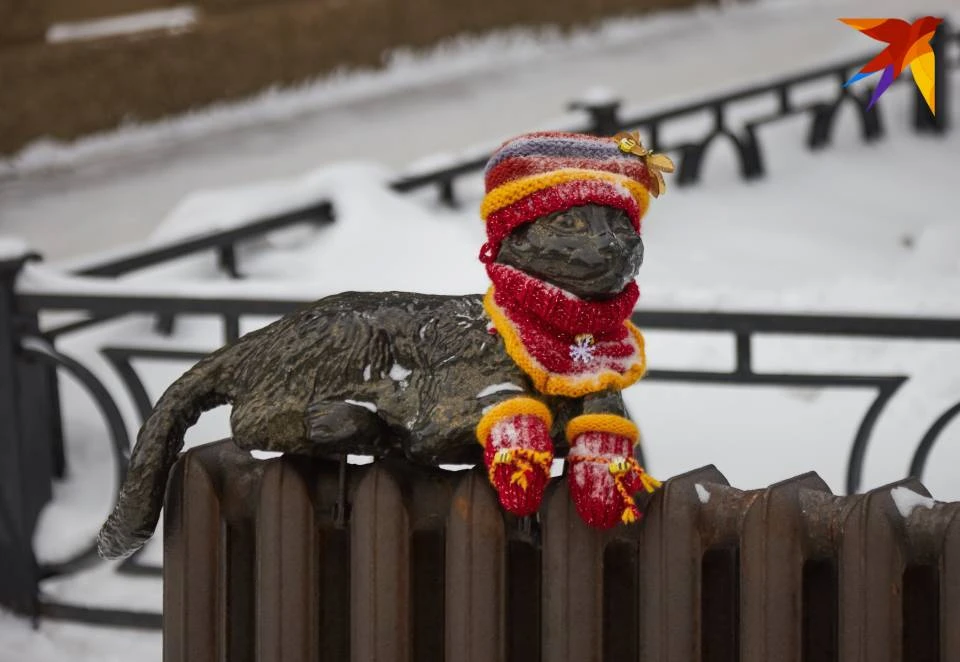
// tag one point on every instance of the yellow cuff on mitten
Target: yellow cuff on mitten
(508, 409)
(611, 423)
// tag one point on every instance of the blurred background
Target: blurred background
(190, 172)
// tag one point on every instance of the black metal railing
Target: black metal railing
(606, 119)
(744, 327)
(224, 242)
(31, 438)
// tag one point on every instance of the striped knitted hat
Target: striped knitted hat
(540, 173)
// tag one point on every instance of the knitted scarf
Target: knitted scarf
(568, 346)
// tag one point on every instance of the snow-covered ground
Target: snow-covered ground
(856, 228)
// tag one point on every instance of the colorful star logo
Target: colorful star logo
(908, 46)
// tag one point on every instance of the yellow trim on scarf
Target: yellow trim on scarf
(611, 423)
(509, 408)
(518, 189)
(571, 386)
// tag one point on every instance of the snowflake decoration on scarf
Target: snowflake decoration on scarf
(582, 351)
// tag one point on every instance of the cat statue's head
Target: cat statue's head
(566, 208)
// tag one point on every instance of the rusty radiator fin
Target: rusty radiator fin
(823, 515)
(329, 494)
(475, 575)
(194, 589)
(872, 561)
(950, 585)
(772, 561)
(928, 624)
(288, 578)
(670, 554)
(572, 582)
(720, 524)
(379, 571)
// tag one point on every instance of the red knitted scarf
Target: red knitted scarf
(567, 345)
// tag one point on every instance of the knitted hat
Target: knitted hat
(540, 173)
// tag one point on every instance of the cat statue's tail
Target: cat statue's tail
(135, 516)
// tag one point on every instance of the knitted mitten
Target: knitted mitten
(518, 452)
(603, 474)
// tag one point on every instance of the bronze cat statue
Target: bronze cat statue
(423, 376)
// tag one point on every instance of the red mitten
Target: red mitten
(518, 452)
(603, 473)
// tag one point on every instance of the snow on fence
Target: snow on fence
(297, 560)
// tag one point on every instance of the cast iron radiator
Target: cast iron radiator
(299, 560)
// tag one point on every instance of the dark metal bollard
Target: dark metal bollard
(25, 473)
(604, 115)
(923, 120)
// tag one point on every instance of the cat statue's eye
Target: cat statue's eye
(571, 222)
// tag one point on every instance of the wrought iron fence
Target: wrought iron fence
(30, 434)
(606, 119)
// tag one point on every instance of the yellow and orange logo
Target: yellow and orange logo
(908, 45)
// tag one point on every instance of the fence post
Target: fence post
(923, 120)
(18, 496)
(603, 113)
